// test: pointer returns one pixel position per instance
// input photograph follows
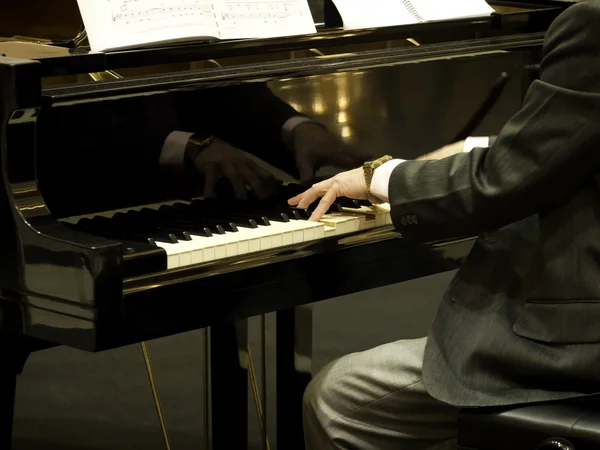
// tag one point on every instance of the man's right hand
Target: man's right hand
(221, 160)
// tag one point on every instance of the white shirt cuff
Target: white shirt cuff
(381, 179)
(476, 141)
(287, 130)
(173, 151)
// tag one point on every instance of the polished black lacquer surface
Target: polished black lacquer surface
(99, 283)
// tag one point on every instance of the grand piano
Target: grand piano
(85, 267)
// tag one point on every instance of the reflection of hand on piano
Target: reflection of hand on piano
(349, 184)
(315, 146)
(222, 161)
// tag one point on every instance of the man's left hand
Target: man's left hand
(349, 184)
(315, 146)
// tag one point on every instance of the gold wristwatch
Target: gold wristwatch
(196, 143)
(369, 168)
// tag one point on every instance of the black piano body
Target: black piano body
(61, 284)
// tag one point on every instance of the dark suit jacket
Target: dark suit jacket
(104, 155)
(521, 320)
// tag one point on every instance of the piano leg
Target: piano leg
(229, 385)
(293, 369)
(13, 354)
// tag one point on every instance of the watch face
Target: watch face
(200, 136)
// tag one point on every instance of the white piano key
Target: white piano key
(172, 251)
(246, 240)
(375, 215)
(344, 223)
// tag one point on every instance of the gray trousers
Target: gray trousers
(375, 400)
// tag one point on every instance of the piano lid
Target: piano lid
(63, 22)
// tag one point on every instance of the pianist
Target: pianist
(519, 323)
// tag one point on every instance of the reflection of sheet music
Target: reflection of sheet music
(263, 18)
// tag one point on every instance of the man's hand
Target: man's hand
(349, 184)
(445, 151)
(315, 147)
(221, 160)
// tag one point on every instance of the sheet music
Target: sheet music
(263, 18)
(373, 13)
(380, 13)
(127, 23)
(443, 10)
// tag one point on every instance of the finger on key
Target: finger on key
(324, 205)
(316, 191)
(306, 198)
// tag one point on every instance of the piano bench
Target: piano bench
(550, 426)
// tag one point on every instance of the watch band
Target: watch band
(369, 169)
(196, 143)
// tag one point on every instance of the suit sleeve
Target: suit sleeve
(542, 156)
(248, 116)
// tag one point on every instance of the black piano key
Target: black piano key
(292, 213)
(224, 224)
(348, 203)
(215, 226)
(248, 220)
(304, 213)
(129, 225)
(132, 223)
(221, 211)
(148, 257)
(232, 223)
(209, 212)
(258, 210)
(101, 226)
(162, 236)
(172, 217)
(153, 216)
(218, 229)
(147, 218)
(274, 215)
(335, 207)
(258, 218)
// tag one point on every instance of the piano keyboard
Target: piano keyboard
(197, 231)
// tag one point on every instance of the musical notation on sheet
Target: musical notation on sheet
(233, 12)
(143, 11)
(122, 24)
